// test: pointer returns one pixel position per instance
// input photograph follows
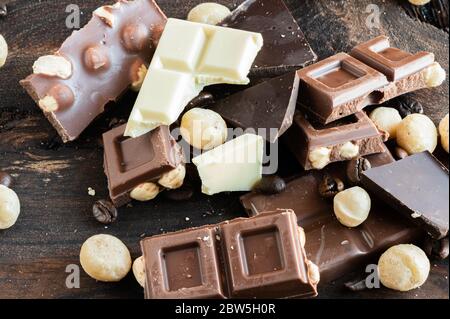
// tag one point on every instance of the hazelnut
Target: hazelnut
(403, 267)
(9, 207)
(419, 2)
(138, 72)
(59, 97)
(349, 150)
(145, 192)
(313, 272)
(135, 37)
(352, 206)
(209, 13)
(203, 129)
(106, 15)
(173, 179)
(96, 58)
(3, 51)
(319, 157)
(139, 270)
(386, 119)
(416, 134)
(105, 258)
(435, 75)
(443, 131)
(53, 65)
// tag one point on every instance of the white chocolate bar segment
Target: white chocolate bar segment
(233, 166)
(189, 57)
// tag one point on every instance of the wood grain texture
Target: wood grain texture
(52, 179)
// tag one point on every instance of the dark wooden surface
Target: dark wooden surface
(52, 179)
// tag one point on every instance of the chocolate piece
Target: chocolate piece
(341, 140)
(334, 248)
(416, 186)
(259, 257)
(265, 106)
(101, 54)
(130, 162)
(285, 46)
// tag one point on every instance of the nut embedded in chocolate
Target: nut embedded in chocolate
(135, 37)
(330, 186)
(270, 185)
(5, 179)
(406, 105)
(104, 211)
(96, 58)
(355, 167)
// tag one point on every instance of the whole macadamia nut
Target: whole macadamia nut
(9, 207)
(139, 270)
(105, 258)
(352, 206)
(416, 134)
(209, 13)
(403, 267)
(386, 119)
(443, 131)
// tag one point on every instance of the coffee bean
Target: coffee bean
(5, 179)
(3, 10)
(202, 100)
(330, 186)
(436, 249)
(406, 105)
(270, 185)
(400, 153)
(104, 211)
(355, 168)
(181, 194)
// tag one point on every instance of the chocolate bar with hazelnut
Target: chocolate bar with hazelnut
(96, 64)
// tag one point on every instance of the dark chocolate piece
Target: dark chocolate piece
(416, 186)
(269, 105)
(105, 56)
(258, 257)
(130, 162)
(285, 46)
(341, 140)
(334, 248)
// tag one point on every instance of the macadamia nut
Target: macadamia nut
(3, 51)
(435, 75)
(419, 2)
(139, 270)
(386, 119)
(349, 150)
(443, 131)
(105, 258)
(53, 65)
(352, 206)
(145, 192)
(209, 13)
(203, 129)
(319, 157)
(173, 179)
(9, 207)
(403, 267)
(416, 134)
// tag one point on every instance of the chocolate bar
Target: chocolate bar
(258, 257)
(269, 105)
(416, 186)
(374, 73)
(334, 248)
(285, 46)
(316, 145)
(130, 162)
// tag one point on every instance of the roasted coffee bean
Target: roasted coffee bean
(358, 285)
(5, 179)
(400, 153)
(104, 211)
(330, 186)
(181, 194)
(3, 10)
(270, 185)
(355, 168)
(436, 249)
(202, 100)
(406, 105)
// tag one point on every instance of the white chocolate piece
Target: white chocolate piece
(139, 270)
(435, 75)
(319, 157)
(105, 258)
(416, 134)
(203, 129)
(189, 57)
(173, 179)
(145, 192)
(208, 13)
(53, 65)
(349, 150)
(9, 207)
(386, 119)
(352, 206)
(3, 51)
(419, 2)
(403, 267)
(443, 131)
(233, 166)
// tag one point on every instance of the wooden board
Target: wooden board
(52, 179)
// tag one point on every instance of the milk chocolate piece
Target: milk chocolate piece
(416, 186)
(353, 136)
(258, 257)
(103, 55)
(130, 162)
(334, 248)
(285, 46)
(269, 105)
